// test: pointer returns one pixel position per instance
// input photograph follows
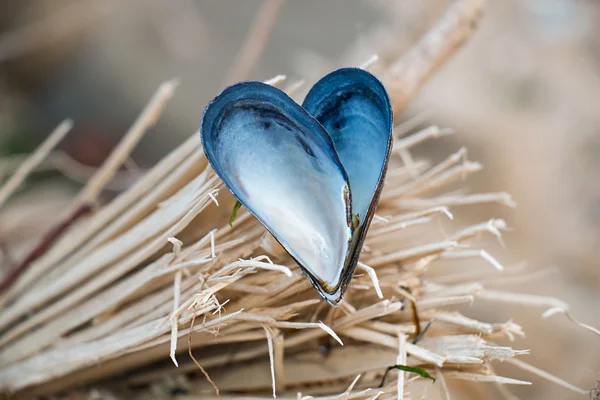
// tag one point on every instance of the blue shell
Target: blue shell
(311, 175)
(355, 109)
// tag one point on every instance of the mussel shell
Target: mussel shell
(312, 175)
(355, 109)
(282, 166)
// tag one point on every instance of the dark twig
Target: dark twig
(48, 240)
(415, 317)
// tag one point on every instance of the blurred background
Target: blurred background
(523, 96)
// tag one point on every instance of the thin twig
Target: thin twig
(404, 78)
(256, 41)
(196, 361)
(443, 385)
(401, 360)
(558, 310)
(373, 275)
(415, 318)
(546, 375)
(34, 160)
(175, 319)
(269, 335)
(422, 333)
(117, 157)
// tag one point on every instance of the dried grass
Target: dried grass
(158, 272)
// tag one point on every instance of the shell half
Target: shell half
(355, 109)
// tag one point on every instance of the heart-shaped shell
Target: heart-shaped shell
(311, 175)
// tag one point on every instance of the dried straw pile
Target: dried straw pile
(158, 272)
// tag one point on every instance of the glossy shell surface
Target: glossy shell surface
(310, 174)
